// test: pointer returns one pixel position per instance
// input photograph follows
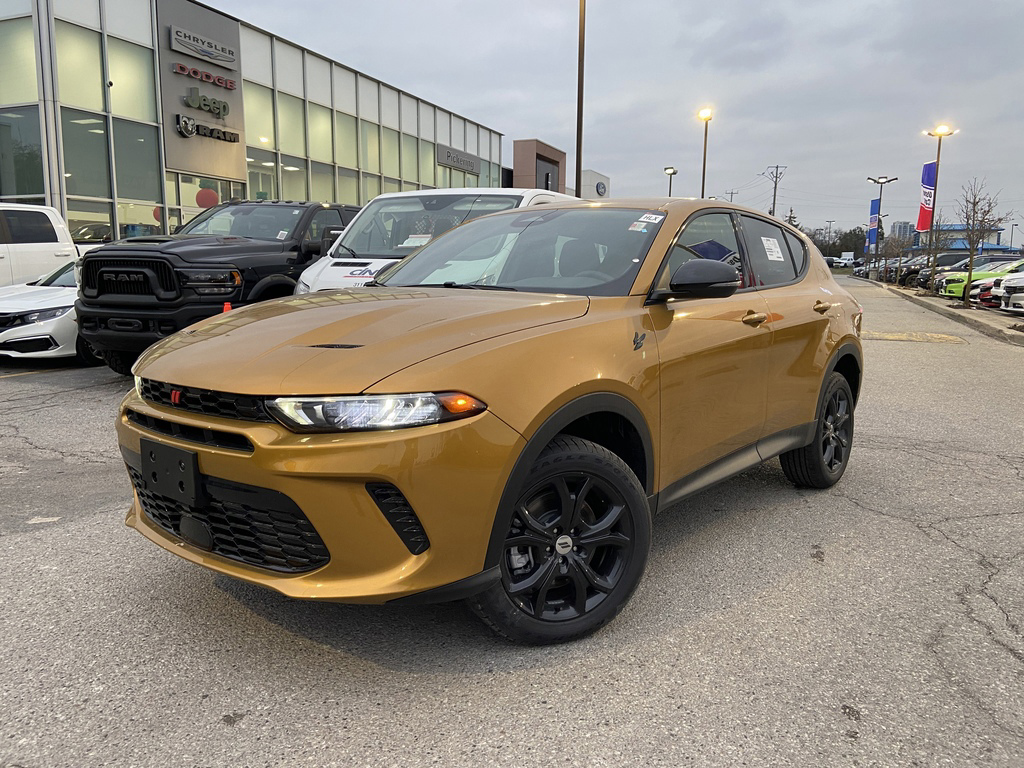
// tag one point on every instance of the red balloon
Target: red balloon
(157, 213)
(207, 198)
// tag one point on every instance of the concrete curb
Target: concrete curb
(992, 331)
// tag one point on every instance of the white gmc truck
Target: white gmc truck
(34, 241)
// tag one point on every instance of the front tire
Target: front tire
(575, 550)
(118, 361)
(85, 354)
(823, 462)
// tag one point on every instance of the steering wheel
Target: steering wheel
(593, 273)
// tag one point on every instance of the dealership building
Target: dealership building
(131, 116)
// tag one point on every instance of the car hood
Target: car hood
(343, 342)
(194, 248)
(31, 298)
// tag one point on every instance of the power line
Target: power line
(774, 173)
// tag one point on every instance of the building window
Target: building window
(346, 142)
(410, 158)
(458, 178)
(21, 154)
(369, 150)
(137, 161)
(371, 187)
(133, 93)
(262, 168)
(291, 122)
(427, 163)
(199, 192)
(258, 104)
(293, 178)
(320, 134)
(80, 77)
(348, 186)
(322, 181)
(444, 176)
(90, 221)
(17, 62)
(389, 163)
(171, 188)
(390, 185)
(139, 219)
(86, 160)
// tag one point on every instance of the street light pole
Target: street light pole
(828, 237)
(1012, 227)
(670, 172)
(705, 115)
(881, 181)
(939, 132)
(579, 103)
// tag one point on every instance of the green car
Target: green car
(953, 283)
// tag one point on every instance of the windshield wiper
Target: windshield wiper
(342, 245)
(471, 286)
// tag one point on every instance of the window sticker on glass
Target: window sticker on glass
(282, 234)
(415, 241)
(638, 226)
(653, 218)
(771, 247)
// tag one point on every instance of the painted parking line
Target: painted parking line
(934, 338)
(26, 373)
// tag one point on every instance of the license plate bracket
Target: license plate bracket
(172, 472)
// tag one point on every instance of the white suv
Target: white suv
(392, 226)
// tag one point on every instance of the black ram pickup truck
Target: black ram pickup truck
(137, 291)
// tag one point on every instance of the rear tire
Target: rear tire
(823, 462)
(85, 354)
(118, 361)
(575, 550)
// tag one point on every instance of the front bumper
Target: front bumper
(134, 328)
(50, 338)
(451, 474)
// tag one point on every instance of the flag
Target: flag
(873, 221)
(924, 216)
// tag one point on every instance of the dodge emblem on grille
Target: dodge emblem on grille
(175, 397)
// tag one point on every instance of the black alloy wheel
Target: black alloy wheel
(821, 463)
(575, 549)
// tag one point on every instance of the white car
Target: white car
(1010, 293)
(392, 226)
(38, 319)
(33, 240)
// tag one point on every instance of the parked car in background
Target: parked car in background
(394, 225)
(37, 319)
(497, 417)
(952, 283)
(34, 240)
(1009, 291)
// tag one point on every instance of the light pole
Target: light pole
(940, 132)
(828, 237)
(881, 181)
(1012, 227)
(670, 172)
(705, 115)
(579, 101)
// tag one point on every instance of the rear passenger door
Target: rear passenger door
(35, 248)
(5, 255)
(798, 315)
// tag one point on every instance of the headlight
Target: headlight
(301, 288)
(211, 281)
(366, 412)
(45, 314)
(954, 280)
(78, 271)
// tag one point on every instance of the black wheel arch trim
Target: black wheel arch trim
(457, 590)
(271, 281)
(841, 351)
(595, 402)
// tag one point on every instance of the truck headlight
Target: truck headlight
(352, 413)
(211, 281)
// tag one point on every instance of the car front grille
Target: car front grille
(133, 277)
(251, 525)
(205, 401)
(213, 437)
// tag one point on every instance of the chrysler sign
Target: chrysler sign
(203, 48)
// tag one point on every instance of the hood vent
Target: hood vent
(335, 346)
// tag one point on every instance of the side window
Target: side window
(710, 236)
(799, 251)
(769, 257)
(30, 227)
(327, 217)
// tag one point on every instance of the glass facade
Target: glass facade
(313, 129)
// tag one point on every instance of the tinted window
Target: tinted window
(30, 227)
(711, 236)
(63, 277)
(262, 222)
(328, 217)
(766, 249)
(799, 251)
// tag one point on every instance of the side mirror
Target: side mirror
(701, 279)
(327, 238)
(310, 248)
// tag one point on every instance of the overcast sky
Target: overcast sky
(836, 91)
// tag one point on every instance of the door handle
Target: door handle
(65, 255)
(754, 318)
(822, 306)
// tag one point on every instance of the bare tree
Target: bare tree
(894, 247)
(979, 216)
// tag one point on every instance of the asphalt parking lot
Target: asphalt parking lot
(874, 624)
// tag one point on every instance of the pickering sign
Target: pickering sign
(453, 158)
(203, 48)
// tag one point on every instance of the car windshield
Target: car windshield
(62, 277)
(1008, 266)
(258, 221)
(393, 227)
(583, 251)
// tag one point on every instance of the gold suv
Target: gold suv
(498, 416)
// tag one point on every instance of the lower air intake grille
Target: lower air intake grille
(399, 514)
(252, 525)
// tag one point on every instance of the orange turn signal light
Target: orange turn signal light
(461, 404)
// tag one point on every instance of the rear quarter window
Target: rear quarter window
(30, 227)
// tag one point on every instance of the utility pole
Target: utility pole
(579, 103)
(828, 237)
(774, 173)
(732, 192)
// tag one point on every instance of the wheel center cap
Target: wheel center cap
(563, 545)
